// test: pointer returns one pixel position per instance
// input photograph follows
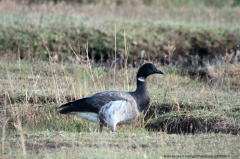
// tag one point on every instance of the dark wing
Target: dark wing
(78, 106)
(95, 102)
(102, 98)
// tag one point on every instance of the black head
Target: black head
(148, 69)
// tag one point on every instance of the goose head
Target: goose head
(146, 70)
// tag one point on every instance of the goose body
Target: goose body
(110, 108)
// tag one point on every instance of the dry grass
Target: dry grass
(42, 86)
(230, 68)
(51, 144)
(195, 14)
(148, 31)
(31, 91)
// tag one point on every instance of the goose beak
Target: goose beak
(159, 71)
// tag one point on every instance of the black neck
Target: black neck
(141, 87)
(141, 95)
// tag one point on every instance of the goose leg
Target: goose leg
(100, 121)
(100, 128)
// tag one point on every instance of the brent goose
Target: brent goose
(110, 108)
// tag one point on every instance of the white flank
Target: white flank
(142, 79)
(87, 115)
(118, 112)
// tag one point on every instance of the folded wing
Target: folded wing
(95, 102)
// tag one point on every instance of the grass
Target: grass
(179, 105)
(43, 86)
(148, 29)
(61, 144)
(192, 111)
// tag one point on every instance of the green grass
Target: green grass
(204, 100)
(43, 86)
(61, 144)
(148, 29)
(179, 100)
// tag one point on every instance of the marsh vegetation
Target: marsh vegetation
(56, 53)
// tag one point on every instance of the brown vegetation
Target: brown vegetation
(56, 53)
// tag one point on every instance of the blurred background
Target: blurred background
(173, 32)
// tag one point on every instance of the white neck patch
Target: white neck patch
(142, 79)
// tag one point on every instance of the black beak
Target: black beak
(159, 71)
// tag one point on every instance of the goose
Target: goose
(110, 108)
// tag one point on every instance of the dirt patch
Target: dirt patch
(169, 107)
(191, 125)
(32, 100)
(37, 101)
(180, 119)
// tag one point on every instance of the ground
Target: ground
(140, 144)
(52, 54)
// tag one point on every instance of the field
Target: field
(53, 54)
